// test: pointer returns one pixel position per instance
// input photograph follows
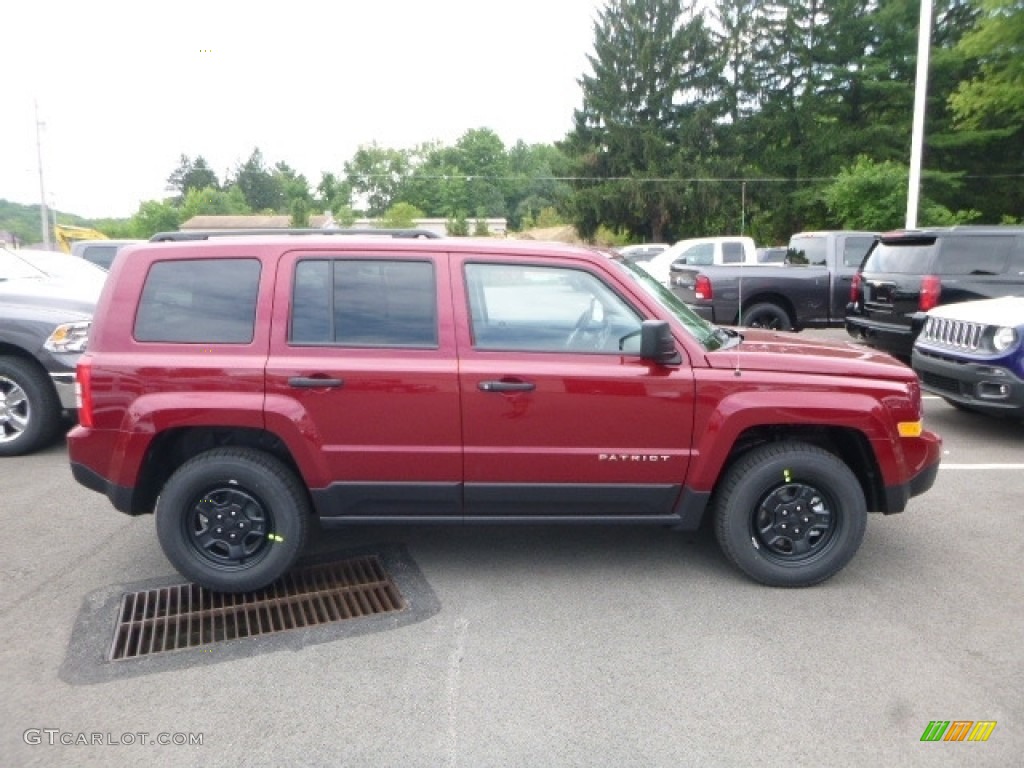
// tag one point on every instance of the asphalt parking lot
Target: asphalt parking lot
(541, 646)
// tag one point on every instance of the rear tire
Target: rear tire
(29, 408)
(766, 315)
(789, 514)
(233, 519)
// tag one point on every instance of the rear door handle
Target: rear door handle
(506, 386)
(313, 382)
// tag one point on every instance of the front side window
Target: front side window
(199, 301)
(364, 303)
(548, 309)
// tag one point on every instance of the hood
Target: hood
(1008, 310)
(793, 353)
(50, 293)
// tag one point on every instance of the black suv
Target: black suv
(908, 272)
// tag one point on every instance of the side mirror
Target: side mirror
(657, 344)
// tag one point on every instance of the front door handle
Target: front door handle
(313, 382)
(506, 386)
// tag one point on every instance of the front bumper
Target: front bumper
(924, 462)
(64, 383)
(897, 340)
(988, 388)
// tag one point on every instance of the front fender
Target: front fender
(728, 416)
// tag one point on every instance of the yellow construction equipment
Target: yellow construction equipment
(66, 234)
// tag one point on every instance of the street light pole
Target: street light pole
(924, 39)
(45, 219)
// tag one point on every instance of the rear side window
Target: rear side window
(732, 253)
(807, 251)
(854, 249)
(199, 301)
(960, 255)
(364, 303)
(100, 255)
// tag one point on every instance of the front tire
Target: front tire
(233, 519)
(790, 514)
(29, 408)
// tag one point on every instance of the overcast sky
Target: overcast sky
(125, 88)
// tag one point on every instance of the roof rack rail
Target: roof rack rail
(206, 234)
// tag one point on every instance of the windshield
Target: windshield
(710, 336)
(12, 267)
(62, 265)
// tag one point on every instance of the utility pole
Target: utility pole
(44, 217)
(924, 41)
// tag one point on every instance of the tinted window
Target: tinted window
(911, 257)
(201, 301)
(100, 255)
(698, 255)
(965, 255)
(732, 253)
(547, 309)
(364, 303)
(807, 251)
(854, 249)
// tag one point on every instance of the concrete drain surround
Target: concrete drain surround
(162, 625)
(188, 616)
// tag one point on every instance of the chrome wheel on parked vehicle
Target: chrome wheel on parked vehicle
(29, 409)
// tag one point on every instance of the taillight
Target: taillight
(931, 289)
(702, 287)
(83, 391)
(855, 288)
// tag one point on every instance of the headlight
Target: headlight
(1004, 338)
(69, 337)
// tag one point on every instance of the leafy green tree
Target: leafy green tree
(332, 194)
(645, 124)
(995, 97)
(457, 226)
(400, 216)
(873, 196)
(294, 186)
(210, 201)
(375, 175)
(191, 175)
(538, 180)
(299, 213)
(153, 217)
(261, 188)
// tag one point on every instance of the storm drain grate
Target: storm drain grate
(187, 615)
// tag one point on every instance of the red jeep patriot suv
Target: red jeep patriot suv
(237, 386)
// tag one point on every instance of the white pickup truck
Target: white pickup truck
(701, 252)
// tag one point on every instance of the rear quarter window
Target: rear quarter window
(986, 255)
(199, 301)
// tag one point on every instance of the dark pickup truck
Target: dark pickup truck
(811, 289)
(44, 324)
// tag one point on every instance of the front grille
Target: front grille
(955, 334)
(188, 616)
(937, 383)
